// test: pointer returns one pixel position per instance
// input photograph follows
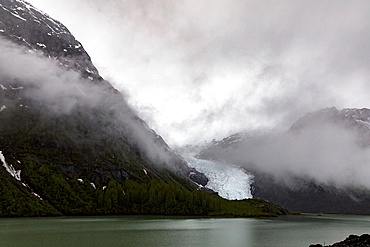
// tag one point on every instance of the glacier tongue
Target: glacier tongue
(230, 182)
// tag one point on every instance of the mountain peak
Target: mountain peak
(23, 24)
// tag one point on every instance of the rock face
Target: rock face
(200, 178)
(23, 24)
(351, 241)
(301, 193)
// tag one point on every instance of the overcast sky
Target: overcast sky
(195, 70)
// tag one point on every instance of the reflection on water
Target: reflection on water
(180, 231)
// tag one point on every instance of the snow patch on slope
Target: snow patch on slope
(231, 182)
(37, 195)
(26, 12)
(366, 124)
(16, 174)
(9, 168)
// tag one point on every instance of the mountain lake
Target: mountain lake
(293, 230)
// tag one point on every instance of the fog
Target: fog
(198, 70)
(56, 90)
(325, 153)
(46, 81)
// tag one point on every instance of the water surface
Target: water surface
(180, 231)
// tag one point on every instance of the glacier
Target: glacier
(231, 182)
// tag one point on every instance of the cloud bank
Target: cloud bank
(46, 85)
(198, 70)
(325, 153)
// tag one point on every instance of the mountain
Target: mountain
(99, 113)
(324, 137)
(355, 120)
(69, 143)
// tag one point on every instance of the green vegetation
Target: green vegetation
(51, 169)
(68, 196)
(54, 151)
(16, 201)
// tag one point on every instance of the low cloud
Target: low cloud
(45, 79)
(53, 89)
(325, 153)
(198, 70)
(223, 66)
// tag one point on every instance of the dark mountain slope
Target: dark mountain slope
(87, 115)
(66, 115)
(69, 144)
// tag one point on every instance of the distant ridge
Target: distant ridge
(295, 192)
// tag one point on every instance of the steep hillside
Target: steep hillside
(65, 114)
(69, 143)
(68, 108)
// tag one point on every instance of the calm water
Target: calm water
(178, 231)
